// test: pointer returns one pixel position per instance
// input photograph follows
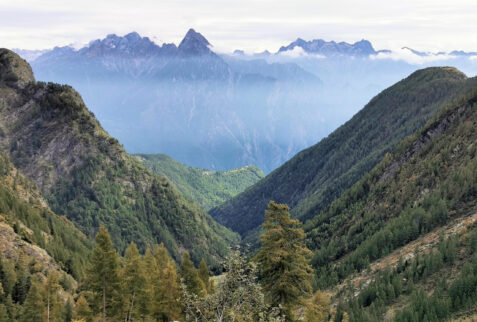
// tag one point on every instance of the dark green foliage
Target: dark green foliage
(312, 179)
(207, 188)
(283, 261)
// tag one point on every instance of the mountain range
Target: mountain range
(220, 111)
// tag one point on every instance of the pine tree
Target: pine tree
(133, 281)
(191, 277)
(204, 275)
(102, 274)
(34, 307)
(283, 260)
(83, 311)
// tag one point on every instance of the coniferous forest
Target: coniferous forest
(365, 214)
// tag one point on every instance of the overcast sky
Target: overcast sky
(252, 25)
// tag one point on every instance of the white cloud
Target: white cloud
(252, 25)
(412, 58)
(298, 52)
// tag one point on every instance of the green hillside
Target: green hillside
(315, 177)
(207, 188)
(418, 204)
(35, 244)
(86, 175)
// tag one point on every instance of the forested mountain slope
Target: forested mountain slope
(86, 175)
(35, 244)
(312, 179)
(428, 183)
(208, 188)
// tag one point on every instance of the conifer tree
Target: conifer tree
(204, 275)
(33, 308)
(146, 297)
(167, 301)
(191, 277)
(162, 256)
(133, 281)
(51, 297)
(102, 274)
(283, 260)
(318, 307)
(82, 309)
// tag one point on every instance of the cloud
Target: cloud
(298, 52)
(412, 58)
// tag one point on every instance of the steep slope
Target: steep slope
(207, 188)
(51, 240)
(408, 225)
(430, 178)
(86, 175)
(316, 176)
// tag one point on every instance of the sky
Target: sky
(250, 25)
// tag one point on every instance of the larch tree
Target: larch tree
(51, 297)
(191, 277)
(82, 309)
(34, 306)
(204, 275)
(133, 282)
(283, 261)
(168, 301)
(102, 275)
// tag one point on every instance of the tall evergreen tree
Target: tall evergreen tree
(162, 256)
(133, 281)
(283, 260)
(102, 274)
(167, 304)
(34, 307)
(191, 277)
(204, 275)
(83, 311)
(51, 297)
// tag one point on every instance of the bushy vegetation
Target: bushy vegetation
(207, 188)
(311, 180)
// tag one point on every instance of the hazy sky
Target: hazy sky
(252, 25)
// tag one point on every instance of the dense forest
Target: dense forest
(207, 188)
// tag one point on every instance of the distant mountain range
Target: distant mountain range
(220, 111)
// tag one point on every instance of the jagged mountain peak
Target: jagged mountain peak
(194, 44)
(332, 48)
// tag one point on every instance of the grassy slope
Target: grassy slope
(86, 175)
(316, 176)
(207, 188)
